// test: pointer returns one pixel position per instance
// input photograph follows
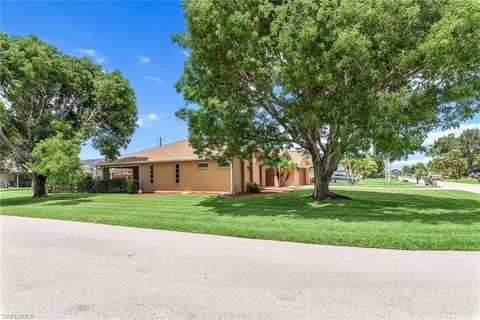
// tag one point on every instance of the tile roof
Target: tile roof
(300, 158)
(181, 151)
(175, 151)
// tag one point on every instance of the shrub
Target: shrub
(253, 187)
(132, 186)
(88, 184)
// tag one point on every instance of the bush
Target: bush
(132, 186)
(253, 187)
(88, 184)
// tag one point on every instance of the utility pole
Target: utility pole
(159, 141)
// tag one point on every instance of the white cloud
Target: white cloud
(432, 136)
(143, 60)
(87, 52)
(146, 120)
(186, 54)
(100, 59)
(152, 116)
(156, 79)
(140, 122)
(93, 54)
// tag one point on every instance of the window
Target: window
(151, 174)
(202, 165)
(223, 165)
(177, 173)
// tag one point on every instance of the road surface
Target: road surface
(460, 186)
(475, 188)
(61, 269)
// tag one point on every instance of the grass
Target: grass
(374, 182)
(383, 218)
(464, 180)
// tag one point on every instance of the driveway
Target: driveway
(460, 186)
(60, 269)
(475, 188)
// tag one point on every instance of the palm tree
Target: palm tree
(283, 167)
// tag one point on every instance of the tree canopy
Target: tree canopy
(41, 87)
(467, 144)
(357, 168)
(452, 165)
(331, 77)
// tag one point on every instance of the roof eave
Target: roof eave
(109, 164)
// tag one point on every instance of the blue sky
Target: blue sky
(135, 38)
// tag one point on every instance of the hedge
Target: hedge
(88, 184)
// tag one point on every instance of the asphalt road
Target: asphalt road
(59, 269)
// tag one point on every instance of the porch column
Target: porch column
(105, 174)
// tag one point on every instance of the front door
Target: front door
(270, 177)
(303, 176)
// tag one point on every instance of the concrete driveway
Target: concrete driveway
(460, 186)
(59, 269)
(475, 188)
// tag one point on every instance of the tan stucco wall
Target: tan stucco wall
(191, 178)
(213, 178)
(307, 173)
(237, 175)
(256, 167)
(292, 180)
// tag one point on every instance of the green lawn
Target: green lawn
(464, 180)
(387, 218)
(377, 182)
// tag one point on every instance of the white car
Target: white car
(341, 177)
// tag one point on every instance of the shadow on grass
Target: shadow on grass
(53, 199)
(363, 207)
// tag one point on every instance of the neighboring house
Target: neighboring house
(6, 178)
(89, 166)
(396, 172)
(175, 167)
(9, 180)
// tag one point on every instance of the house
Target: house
(396, 172)
(295, 178)
(6, 178)
(176, 167)
(89, 167)
(12, 179)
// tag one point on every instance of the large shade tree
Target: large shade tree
(330, 77)
(468, 143)
(41, 88)
(470, 146)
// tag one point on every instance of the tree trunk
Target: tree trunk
(323, 170)
(39, 190)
